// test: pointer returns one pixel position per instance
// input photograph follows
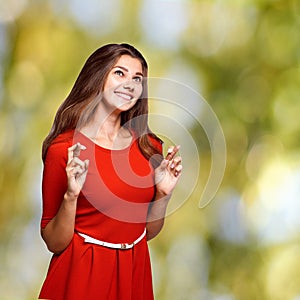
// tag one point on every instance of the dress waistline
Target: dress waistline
(123, 246)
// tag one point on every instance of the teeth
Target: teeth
(124, 96)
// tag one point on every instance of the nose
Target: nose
(129, 85)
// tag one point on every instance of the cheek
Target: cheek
(111, 83)
(138, 90)
(107, 86)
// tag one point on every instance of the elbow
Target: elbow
(55, 249)
(151, 236)
(154, 228)
(53, 245)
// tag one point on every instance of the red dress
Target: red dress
(111, 207)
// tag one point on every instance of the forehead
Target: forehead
(132, 64)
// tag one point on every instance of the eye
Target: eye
(138, 79)
(119, 73)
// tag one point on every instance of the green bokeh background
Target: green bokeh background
(243, 58)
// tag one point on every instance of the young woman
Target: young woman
(105, 184)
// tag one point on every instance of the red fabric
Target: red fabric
(111, 207)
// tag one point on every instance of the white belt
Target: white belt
(89, 239)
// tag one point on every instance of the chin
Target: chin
(126, 106)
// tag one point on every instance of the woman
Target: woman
(105, 185)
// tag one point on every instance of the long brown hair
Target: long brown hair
(87, 87)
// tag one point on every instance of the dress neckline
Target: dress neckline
(89, 140)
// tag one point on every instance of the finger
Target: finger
(78, 170)
(169, 152)
(80, 164)
(172, 152)
(72, 169)
(175, 162)
(70, 152)
(77, 150)
(86, 164)
(178, 170)
(74, 151)
(164, 164)
(74, 166)
(77, 162)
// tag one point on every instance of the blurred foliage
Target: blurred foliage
(243, 57)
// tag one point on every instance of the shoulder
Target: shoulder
(150, 139)
(64, 138)
(59, 146)
(155, 141)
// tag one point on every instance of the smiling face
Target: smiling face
(123, 85)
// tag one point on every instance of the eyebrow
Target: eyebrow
(125, 69)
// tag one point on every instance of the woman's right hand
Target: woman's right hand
(76, 170)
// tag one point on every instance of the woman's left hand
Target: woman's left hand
(168, 172)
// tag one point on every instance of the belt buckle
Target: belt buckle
(123, 246)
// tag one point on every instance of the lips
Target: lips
(125, 96)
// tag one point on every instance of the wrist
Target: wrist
(70, 196)
(162, 194)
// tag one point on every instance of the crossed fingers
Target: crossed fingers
(174, 162)
(75, 165)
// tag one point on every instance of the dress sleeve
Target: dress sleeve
(157, 143)
(160, 147)
(54, 183)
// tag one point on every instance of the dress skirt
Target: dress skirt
(85, 271)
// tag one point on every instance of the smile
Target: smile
(124, 96)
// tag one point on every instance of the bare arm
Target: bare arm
(156, 216)
(59, 231)
(166, 178)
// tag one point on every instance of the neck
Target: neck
(104, 125)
